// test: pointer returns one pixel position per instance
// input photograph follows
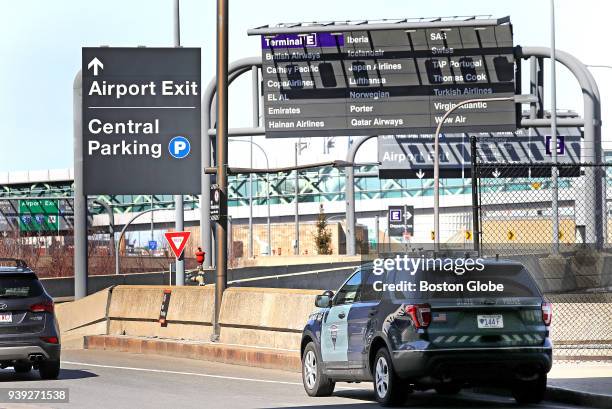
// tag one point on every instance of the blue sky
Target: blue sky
(40, 53)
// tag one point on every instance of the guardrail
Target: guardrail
(285, 276)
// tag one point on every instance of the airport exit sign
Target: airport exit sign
(39, 215)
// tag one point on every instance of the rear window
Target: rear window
(494, 281)
(20, 287)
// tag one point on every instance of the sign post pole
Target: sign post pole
(296, 249)
(553, 131)
(437, 161)
(80, 199)
(178, 199)
(222, 142)
(475, 204)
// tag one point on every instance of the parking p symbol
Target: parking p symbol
(179, 147)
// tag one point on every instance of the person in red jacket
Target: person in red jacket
(200, 256)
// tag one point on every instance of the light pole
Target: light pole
(267, 192)
(517, 98)
(122, 233)
(553, 130)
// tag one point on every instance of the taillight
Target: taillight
(546, 313)
(42, 307)
(50, 340)
(420, 314)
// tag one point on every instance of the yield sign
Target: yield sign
(177, 241)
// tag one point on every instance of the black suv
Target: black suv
(29, 333)
(455, 330)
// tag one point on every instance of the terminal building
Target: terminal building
(25, 214)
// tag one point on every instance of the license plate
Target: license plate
(6, 317)
(490, 321)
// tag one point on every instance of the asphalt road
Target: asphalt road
(102, 379)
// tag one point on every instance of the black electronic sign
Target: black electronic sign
(388, 81)
(412, 156)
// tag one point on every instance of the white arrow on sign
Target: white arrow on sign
(496, 173)
(420, 174)
(96, 64)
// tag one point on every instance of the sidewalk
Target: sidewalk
(580, 383)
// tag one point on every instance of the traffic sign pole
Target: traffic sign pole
(80, 200)
(437, 162)
(178, 199)
(553, 130)
(296, 249)
(222, 142)
(475, 204)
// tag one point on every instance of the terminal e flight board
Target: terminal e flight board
(388, 81)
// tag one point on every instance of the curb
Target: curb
(574, 397)
(559, 395)
(229, 354)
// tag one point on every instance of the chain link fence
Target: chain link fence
(568, 251)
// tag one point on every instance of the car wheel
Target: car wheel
(531, 391)
(49, 369)
(22, 367)
(448, 388)
(388, 388)
(315, 382)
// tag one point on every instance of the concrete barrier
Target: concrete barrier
(267, 317)
(87, 316)
(273, 318)
(134, 310)
(581, 326)
(260, 317)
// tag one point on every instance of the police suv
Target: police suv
(431, 327)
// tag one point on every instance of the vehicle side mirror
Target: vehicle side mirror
(324, 300)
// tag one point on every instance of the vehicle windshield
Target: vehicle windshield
(17, 287)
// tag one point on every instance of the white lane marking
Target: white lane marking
(203, 375)
(438, 339)
(464, 338)
(451, 339)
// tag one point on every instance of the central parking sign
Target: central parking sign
(141, 120)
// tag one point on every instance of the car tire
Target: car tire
(531, 391)
(49, 369)
(316, 383)
(448, 389)
(22, 367)
(388, 387)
